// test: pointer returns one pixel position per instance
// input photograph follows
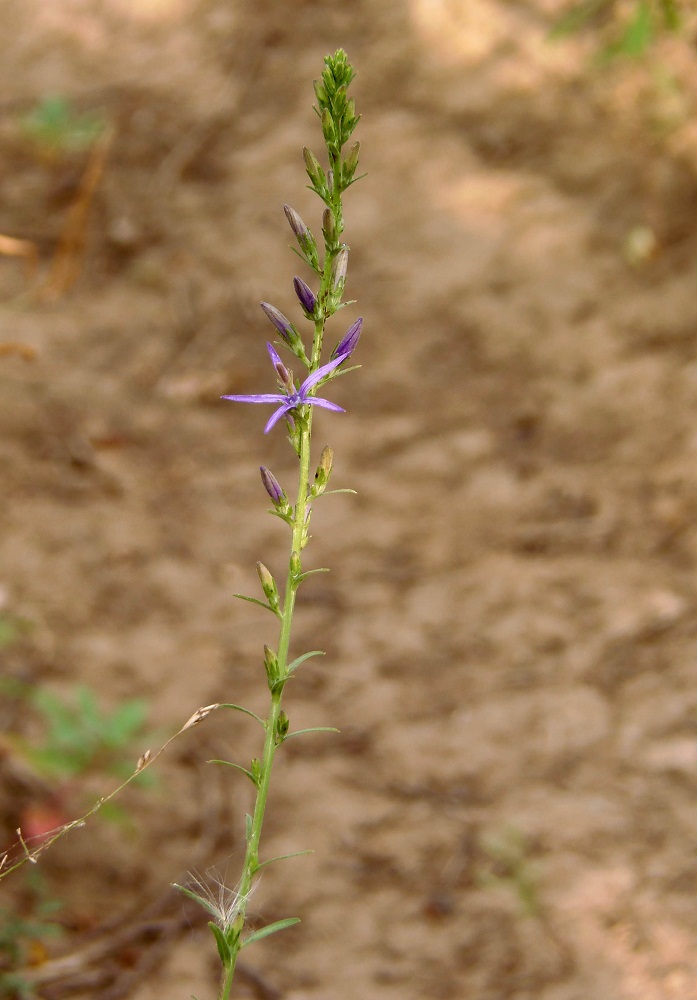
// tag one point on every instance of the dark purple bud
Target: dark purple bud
(305, 295)
(347, 344)
(272, 487)
(283, 325)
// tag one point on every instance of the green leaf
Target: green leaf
(301, 659)
(239, 708)
(639, 32)
(282, 857)
(262, 604)
(313, 729)
(310, 572)
(270, 929)
(238, 767)
(223, 947)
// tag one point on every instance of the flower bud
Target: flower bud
(323, 472)
(295, 564)
(270, 665)
(282, 725)
(329, 227)
(306, 297)
(320, 93)
(268, 585)
(283, 325)
(314, 170)
(273, 488)
(347, 344)
(339, 270)
(350, 163)
(306, 240)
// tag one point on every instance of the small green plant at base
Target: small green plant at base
(511, 867)
(56, 130)
(22, 936)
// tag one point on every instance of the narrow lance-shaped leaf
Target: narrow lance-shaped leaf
(270, 929)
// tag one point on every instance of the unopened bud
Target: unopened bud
(282, 725)
(327, 126)
(314, 170)
(324, 471)
(283, 325)
(339, 270)
(270, 665)
(306, 240)
(347, 344)
(306, 297)
(268, 585)
(329, 227)
(273, 487)
(320, 93)
(295, 564)
(350, 163)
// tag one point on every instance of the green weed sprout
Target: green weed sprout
(295, 402)
(512, 867)
(20, 936)
(56, 130)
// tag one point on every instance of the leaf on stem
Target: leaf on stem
(282, 857)
(239, 708)
(238, 767)
(224, 949)
(301, 659)
(279, 925)
(255, 600)
(303, 576)
(313, 729)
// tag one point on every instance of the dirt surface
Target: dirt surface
(511, 616)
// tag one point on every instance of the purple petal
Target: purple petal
(263, 397)
(312, 380)
(273, 354)
(275, 417)
(325, 404)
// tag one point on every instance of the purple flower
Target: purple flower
(291, 400)
(347, 344)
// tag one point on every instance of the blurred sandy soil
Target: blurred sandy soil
(511, 616)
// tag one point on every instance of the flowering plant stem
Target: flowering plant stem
(295, 403)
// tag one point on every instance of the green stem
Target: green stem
(251, 860)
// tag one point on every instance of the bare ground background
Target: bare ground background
(510, 810)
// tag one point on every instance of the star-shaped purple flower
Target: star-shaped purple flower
(298, 397)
